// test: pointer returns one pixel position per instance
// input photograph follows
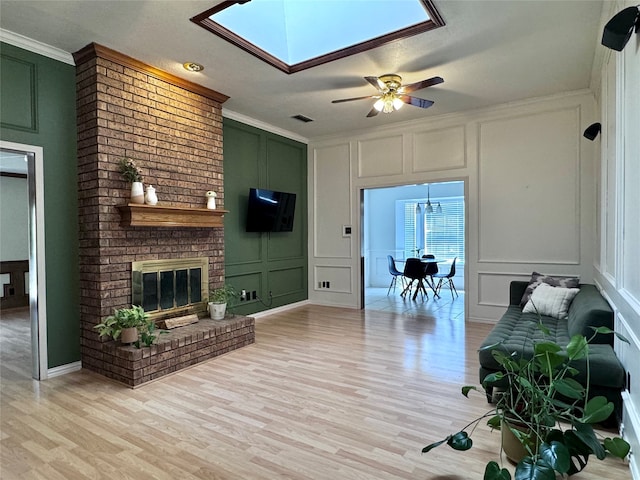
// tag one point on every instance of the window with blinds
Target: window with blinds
(439, 234)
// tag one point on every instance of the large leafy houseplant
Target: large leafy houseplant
(547, 410)
(126, 318)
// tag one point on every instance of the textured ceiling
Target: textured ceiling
(489, 52)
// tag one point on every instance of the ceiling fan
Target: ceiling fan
(393, 95)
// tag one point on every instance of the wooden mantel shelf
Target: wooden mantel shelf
(138, 215)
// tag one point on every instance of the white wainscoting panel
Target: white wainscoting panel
(493, 287)
(339, 278)
(442, 149)
(380, 156)
(528, 184)
(332, 200)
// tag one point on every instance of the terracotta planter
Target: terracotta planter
(129, 335)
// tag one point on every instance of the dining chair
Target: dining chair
(430, 271)
(395, 273)
(442, 277)
(414, 271)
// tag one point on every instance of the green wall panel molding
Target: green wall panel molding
(266, 262)
(55, 117)
(18, 103)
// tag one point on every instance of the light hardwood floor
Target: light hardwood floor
(324, 393)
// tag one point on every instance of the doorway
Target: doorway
(20, 161)
(410, 221)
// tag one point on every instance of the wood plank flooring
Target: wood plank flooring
(324, 393)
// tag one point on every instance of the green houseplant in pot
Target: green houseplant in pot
(548, 413)
(124, 324)
(219, 299)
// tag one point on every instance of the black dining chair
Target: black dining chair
(414, 271)
(430, 271)
(442, 277)
(395, 273)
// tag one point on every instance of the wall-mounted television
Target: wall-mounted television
(270, 211)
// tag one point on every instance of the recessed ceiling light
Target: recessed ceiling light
(193, 67)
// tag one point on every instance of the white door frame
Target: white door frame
(37, 288)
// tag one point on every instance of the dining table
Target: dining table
(427, 279)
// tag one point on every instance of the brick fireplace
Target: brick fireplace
(172, 128)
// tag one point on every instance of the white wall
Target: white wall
(379, 230)
(530, 194)
(14, 219)
(618, 259)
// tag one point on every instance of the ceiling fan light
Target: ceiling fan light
(388, 105)
(397, 103)
(379, 105)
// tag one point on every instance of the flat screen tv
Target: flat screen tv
(270, 211)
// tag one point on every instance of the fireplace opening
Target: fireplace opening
(170, 287)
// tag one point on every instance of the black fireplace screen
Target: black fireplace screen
(160, 287)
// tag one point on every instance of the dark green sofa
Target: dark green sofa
(518, 331)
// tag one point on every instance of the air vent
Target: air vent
(302, 118)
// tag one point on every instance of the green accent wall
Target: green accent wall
(264, 262)
(38, 108)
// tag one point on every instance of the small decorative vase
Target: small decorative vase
(137, 193)
(211, 200)
(150, 197)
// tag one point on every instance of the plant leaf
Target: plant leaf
(494, 422)
(597, 410)
(467, 388)
(434, 445)
(578, 347)
(556, 455)
(544, 347)
(569, 388)
(460, 441)
(587, 436)
(578, 450)
(617, 447)
(528, 470)
(494, 472)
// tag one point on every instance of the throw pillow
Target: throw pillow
(538, 278)
(551, 301)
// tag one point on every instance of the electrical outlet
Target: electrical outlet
(243, 295)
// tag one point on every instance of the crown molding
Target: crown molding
(35, 46)
(263, 126)
(94, 50)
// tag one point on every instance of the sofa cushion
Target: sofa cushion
(590, 309)
(551, 301)
(538, 278)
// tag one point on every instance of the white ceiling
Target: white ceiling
(489, 52)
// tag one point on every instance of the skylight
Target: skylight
(293, 35)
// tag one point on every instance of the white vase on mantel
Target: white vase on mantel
(150, 197)
(137, 193)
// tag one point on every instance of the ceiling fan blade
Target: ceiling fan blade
(377, 83)
(354, 98)
(412, 87)
(373, 112)
(415, 101)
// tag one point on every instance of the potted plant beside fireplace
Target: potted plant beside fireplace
(123, 324)
(219, 298)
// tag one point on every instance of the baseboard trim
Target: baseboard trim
(64, 369)
(283, 308)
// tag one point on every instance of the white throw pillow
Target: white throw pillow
(551, 301)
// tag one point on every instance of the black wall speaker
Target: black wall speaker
(592, 131)
(618, 30)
